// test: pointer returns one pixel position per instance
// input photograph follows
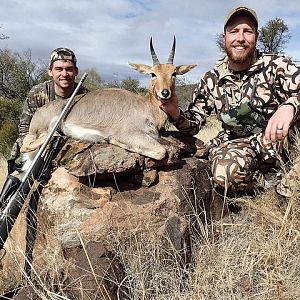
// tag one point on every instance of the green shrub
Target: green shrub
(9, 118)
(184, 92)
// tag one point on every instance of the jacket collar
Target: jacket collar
(224, 72)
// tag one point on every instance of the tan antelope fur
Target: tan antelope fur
(118, 116)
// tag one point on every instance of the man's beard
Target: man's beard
(243, 57)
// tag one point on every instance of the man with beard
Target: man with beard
(255, 96)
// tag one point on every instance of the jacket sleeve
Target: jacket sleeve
(288, 83)
(194, 117)
(25, 118)
(35, 99)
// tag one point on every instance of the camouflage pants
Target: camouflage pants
(234, 163)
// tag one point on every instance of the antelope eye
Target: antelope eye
(174, 74)
(153, 75)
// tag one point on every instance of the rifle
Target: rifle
(14, 196)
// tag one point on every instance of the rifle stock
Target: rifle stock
(36, 169)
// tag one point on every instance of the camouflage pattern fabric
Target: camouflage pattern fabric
(62, 54)
(243, 102)
(37, 97)
(234, 163)
(277, 83)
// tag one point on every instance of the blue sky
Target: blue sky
(106, 34)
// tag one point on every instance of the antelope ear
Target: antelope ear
(180, 70)
(141, 68)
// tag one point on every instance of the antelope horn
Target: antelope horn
(172, 53)
(153, 54)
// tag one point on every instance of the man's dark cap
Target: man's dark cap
(242, 10)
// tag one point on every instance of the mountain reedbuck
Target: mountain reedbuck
(118, 116)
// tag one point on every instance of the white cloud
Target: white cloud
(107, 34)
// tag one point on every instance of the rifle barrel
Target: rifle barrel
(12, 210)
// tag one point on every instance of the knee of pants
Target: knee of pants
(227, 175)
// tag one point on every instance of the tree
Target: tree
(220, 42)
(19, 73)
(184, 91)
(3, 36)
(9, 117)
(273, 36)
(129, 84)
(93, 80)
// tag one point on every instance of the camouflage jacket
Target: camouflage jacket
(37, 97)
(243, 102)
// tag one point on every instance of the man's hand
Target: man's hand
(279, 124)
(170, 107)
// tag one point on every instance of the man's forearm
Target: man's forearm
(188, 122)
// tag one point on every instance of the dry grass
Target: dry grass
(152, 271)
(210, 129)
(3, 168)
(254, 254)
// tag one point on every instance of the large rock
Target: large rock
(97, 192)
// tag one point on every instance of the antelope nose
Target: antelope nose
(165, 93)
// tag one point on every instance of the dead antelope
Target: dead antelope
(118, 116)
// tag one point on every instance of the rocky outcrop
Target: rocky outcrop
(101, 191)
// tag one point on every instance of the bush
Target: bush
(9, 118)
(184, 91)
